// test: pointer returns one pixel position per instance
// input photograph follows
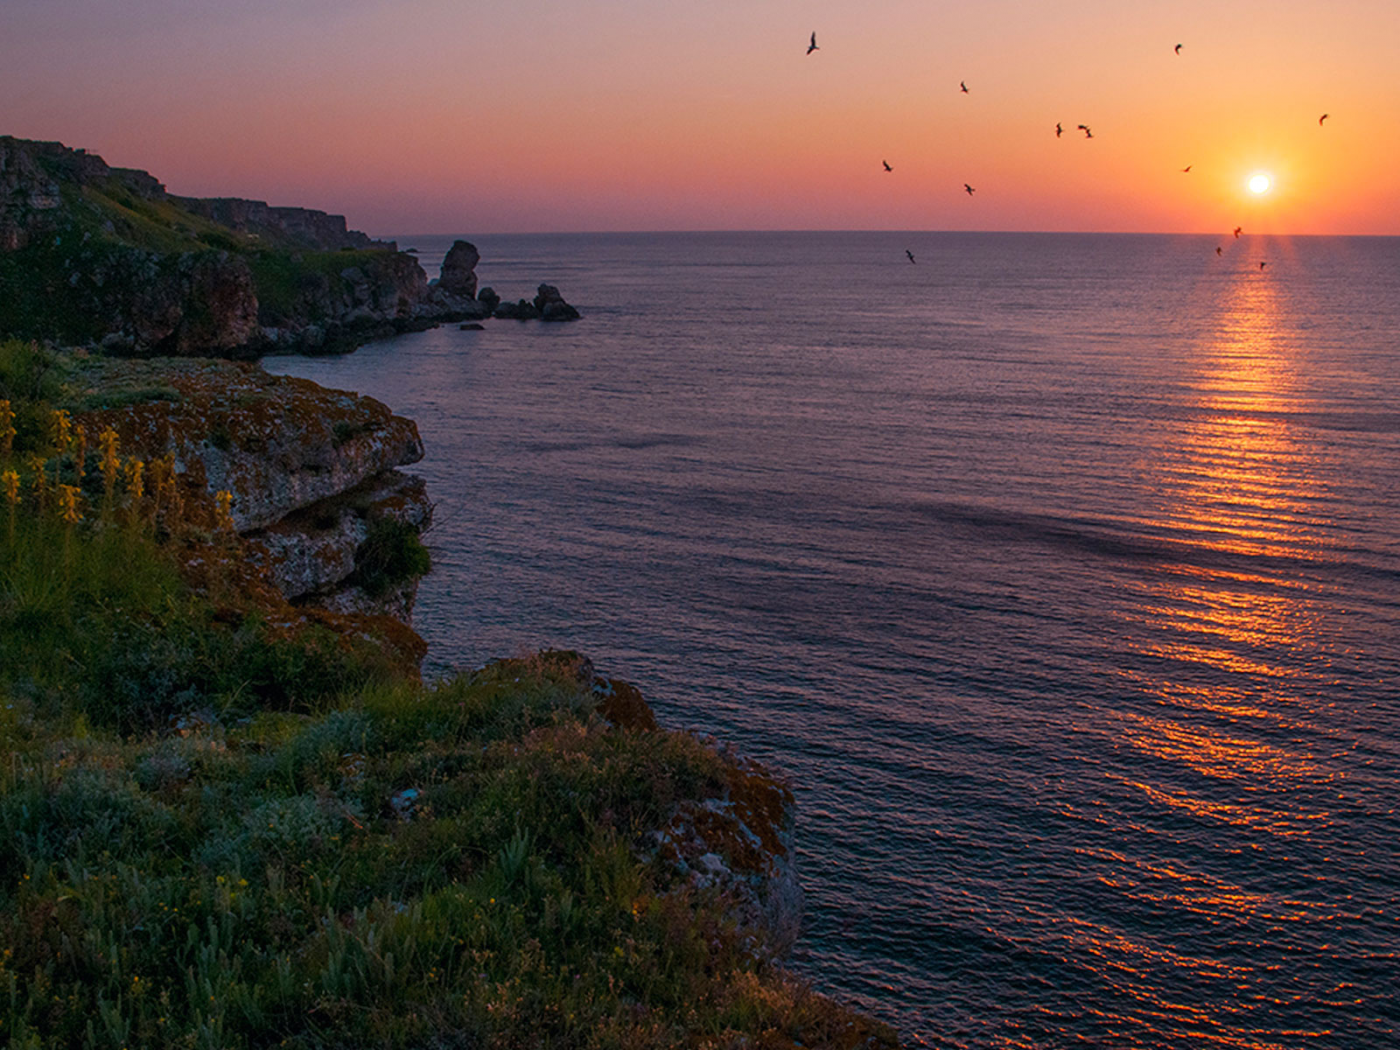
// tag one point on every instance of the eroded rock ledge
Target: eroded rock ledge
(311, 470)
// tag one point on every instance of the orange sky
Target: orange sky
(459, 117)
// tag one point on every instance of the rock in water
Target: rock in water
(551, 305)
(459, 270)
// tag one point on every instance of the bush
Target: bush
(390, 554)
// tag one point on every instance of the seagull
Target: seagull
(1087, 133)
(1178, 49)
(887, 165)
(1322, 118)
(1219, 250)
(1185, 169)
(813, 45)
(910, 254)
(1262, 265)
(970, 190)
(1058, 130)
(963, 84)
(1238, 230)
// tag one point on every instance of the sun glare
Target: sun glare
(1260, 183)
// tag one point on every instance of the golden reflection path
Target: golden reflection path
(1228, 640)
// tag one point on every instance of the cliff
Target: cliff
(91, 254)
(322, 515)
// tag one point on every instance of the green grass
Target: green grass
(221, 834)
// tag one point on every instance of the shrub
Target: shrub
(390, 554)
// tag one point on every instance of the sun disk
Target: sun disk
(1260, 183)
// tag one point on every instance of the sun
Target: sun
(1260, 183)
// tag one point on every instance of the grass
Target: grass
(224, 832)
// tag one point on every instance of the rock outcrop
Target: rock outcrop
(311, 470)
(459, 270)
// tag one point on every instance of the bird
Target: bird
(1219, 250)
(970, 190)
(1178, 49)
(910, 254)
(963, 84)
(887, 165)
(1058, 130)
(1087, 133)
(1262, 265)
(1322, 118)
(813, 45)
(1186, 169)
(1238, 230)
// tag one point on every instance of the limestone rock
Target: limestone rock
(459, 270)
(551, 305)
(277, 443)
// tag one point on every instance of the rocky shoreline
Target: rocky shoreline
(107, 257)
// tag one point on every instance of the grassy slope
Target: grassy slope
(100, 227)
(222, 834)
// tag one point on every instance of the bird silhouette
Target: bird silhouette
(1262, 265)
(1186, 169)
(1178, 49)
(1322, 118)
(910, 254)
(813, 45)
(1238, 230)
(1058, 130)
(1087, 133)
(1219, 250)
(887, 165)
(963, 84)
(970, 190)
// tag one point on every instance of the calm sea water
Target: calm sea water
(1061, 573)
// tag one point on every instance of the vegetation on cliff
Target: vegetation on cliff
(232, 824)
(91, 253)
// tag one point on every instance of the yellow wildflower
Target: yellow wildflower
(111, 462)
(68, 501)
(80, 451)
(62, 427)
(223, 514)
(135, 477)
(10, 480)
(7, 427)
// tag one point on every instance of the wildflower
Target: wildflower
(7, 428)
(10, 480)
(135, 477)
(37, 464)
(111, 462)
(223, 515)
(68, 502)
(62, 427)
(80, 452)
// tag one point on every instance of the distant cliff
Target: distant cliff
(92, 254)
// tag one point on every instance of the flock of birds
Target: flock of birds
(1059, 132)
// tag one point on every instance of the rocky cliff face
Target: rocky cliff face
(94, 254)
(311, 470)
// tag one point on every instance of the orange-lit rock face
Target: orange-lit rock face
(277, 443)
(309, 470)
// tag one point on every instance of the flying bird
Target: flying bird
(1238, 230)
(1058, 130)
(1322, 118)
(1178, 49)
(970, 190)
(910, 254)
(1219, 250)
(813, 45)
(1186, 169)
(963, 84)
(1087, 133)
(1262, 265)
(887, 165)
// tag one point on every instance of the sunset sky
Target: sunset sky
(456, 116)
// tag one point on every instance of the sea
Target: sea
(1059, 573)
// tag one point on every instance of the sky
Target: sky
(456, 116)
